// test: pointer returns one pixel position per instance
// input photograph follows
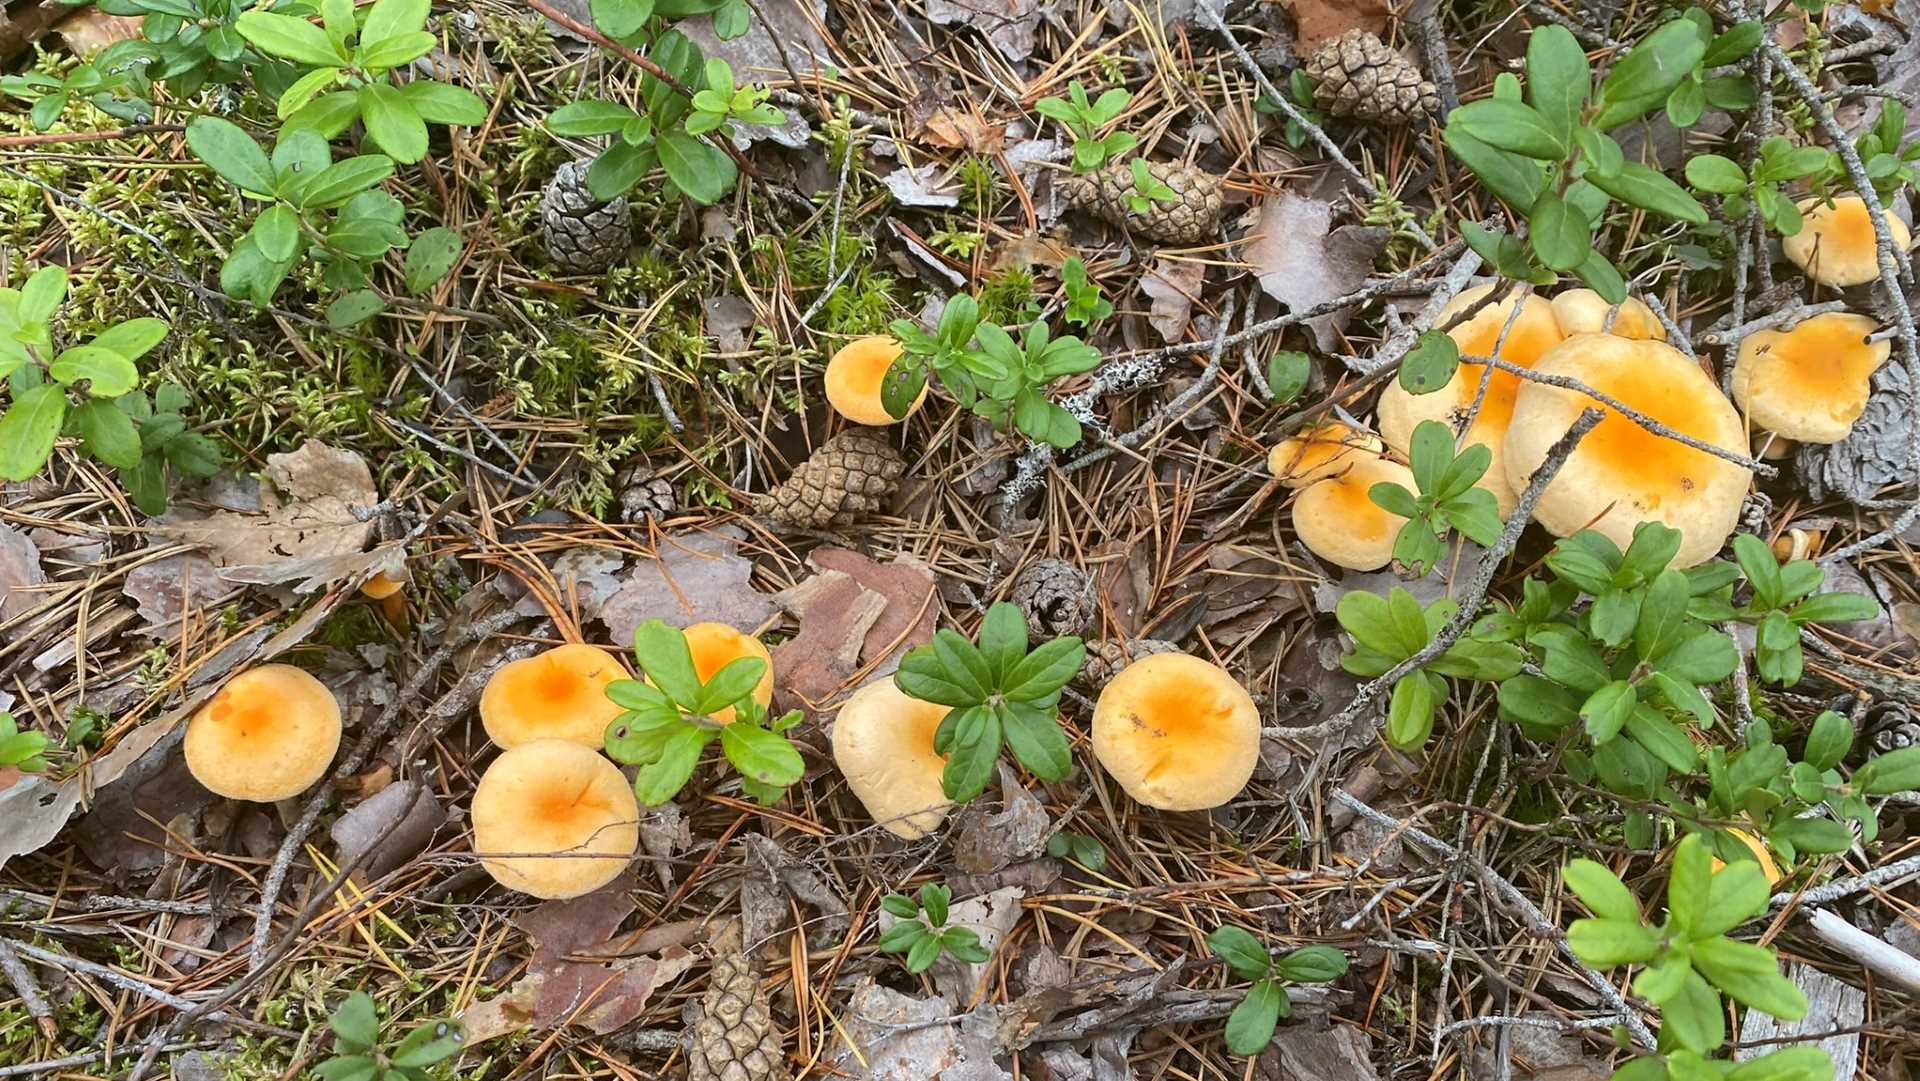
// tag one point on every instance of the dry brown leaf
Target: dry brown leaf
(1302, 261)
(986, 843)
(964, 129)
(558, 990)
(163, 589)
(1173, 285)
(855, 616)
(20, 572)
(693, 577)
(1031, 250)
(324, 487)
(1318, 21)
(90, 30)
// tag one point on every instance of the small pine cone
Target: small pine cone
(1355, 75)
(1192, 216)
(730, 1035)
(644, 495)
(853, 473)
(581, 233)
(1107, 657)
(1057, 598)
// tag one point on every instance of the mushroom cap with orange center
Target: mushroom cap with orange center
(1177, 732)
(269, 734)
(1583, 311)
(563, 819)
(883, 744)
(1622, 474)
(855, 376)
(1811, 382)
(1836, 244)
(558, 694)
(1535, 330)
(1338, 521)
(1320, 452)
(383, 585)
(714, 646)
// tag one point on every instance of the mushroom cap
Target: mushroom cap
(554, 796)
(1177, 732)
(558, 694)
(1760, 854)
(1337, 521)
(1622, 474)
(269, 734)
(1772, 446)
(1811, 382)
(1320, 452)
(854, 377)
(382, 585)
(883, 744)
(1583, 311)
(1836, 244)
(1535, 331)
(713, 645)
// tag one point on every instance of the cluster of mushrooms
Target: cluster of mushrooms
(1808, 383)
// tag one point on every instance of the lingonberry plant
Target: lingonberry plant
(1085, 120)
(1250, 1026)
(364, 1056)
(1447, 499)
(24, 751)
(922, 933)
(989, 371)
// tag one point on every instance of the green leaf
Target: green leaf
(1644, 77)
(934, 899)
(1603, 155)
(1739, 39)
(393, 52)
(963, 943)
(1706, 656)
(392, 123)
(1250, 1026)
(352, 309)
(1664, 979)
(1607, 709)
(1694, 1013)
(133, 338)
(109, 433)
(1689, 881)
(1510, 126)
(590, 118)
(1804, 1063)
(1813, 836)
(1003, 639)
(1835, 608)
(1287, 375)
(289, 38)
(1560, 235)
(347, 1068)
(663, 656)
(277, 232)
(1638, 185)
(1311, 964)
(430, 1043)
(662, 779)
(345, 179)
(429, 258)
(1605, 943)
(438, 103)
(924, 952)
(621, 19)
(1749, 975)
(1663, 615)
(1828, 740)
(698, 169)
(1410, 712)
(923, 674)
(108, 374)
(389, 19)
(1240, 950)
(1558, 77)
(1602, 277)
(1601, 891)
(1034, 736)
(1430, 364)
(231, 152)
(1516, 180)
(971, 755)
(899, 904)
(1686, 103)
(1711, 172)
(760, 754)
(902, 937)
(354, 1022)
(619, 168)
(734, 682)
(1662, 739)
(1737, 893)
(1040, 674)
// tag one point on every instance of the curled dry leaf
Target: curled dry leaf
(985, 843)
(693, 577)
(890, 1036)
(391, 826)
(857, 617)
(964, 129)
(327, 494)
(1318, 21)
(1301, 260)
(1173, 285)
(599, 996)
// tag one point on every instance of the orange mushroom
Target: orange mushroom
(268, 735)
(558, 694)
(1810, 382)
(1583, 311)
(1320, 452)
(383, 585)
(714, 646)
(553, 819)
(1837, 245)
(855, 376)
(1338, 520)
(883, 743)
(1177, 732)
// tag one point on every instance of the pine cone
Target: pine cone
(1355, 75)
(581, 233)
(730, 1032)
(1107, 657)
(644, 495)
(853, 473)
(1057, 598)
(1192, 216)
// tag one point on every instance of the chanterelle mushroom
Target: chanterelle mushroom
(1836, 244)
(1320, 452)
(1337, 520)
(883, 744)
(558, 694)
(1176, 732)
(855, 376)
(1811, 382)
(563, 819)
(1622, 474)
(269, 734)
(1535, 330)
(1583, 311)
